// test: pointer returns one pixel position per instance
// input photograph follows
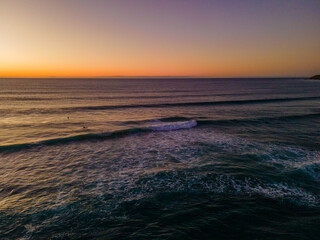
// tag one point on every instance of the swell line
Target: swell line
(203, 121)
(169, 123)
(258, 120)
(159, 105)
(76, 138)
(210, 103)
(101, 136)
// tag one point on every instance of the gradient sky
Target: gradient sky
(227, 38)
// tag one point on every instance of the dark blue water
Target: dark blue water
(159, 159)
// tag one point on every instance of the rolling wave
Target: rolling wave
(162, 124)
(209, 103)
(259, 120)
(42, 97)
(100, 136)
(163, 105)
(76, 138)
(203, 121)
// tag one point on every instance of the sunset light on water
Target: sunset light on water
(148, 119)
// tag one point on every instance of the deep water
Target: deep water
(159, 159)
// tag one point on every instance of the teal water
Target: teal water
(159, 159)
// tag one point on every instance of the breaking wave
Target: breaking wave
(159, 126)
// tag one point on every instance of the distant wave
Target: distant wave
(203, 121)
(100, 136)
(42, 97)
(160, 105)
(232, 102)
(259, 120)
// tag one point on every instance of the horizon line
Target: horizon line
(133, 77)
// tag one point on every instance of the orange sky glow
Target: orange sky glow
(159, 38)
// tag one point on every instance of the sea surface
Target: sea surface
(159, 159)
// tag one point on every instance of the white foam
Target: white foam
(173, 126)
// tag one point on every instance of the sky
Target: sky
(201, 38)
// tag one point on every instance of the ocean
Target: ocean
(160, 158)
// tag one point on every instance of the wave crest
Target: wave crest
(159, 126)
(173, 126)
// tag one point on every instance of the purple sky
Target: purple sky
(163, 37)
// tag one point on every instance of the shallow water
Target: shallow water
(160, 159)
